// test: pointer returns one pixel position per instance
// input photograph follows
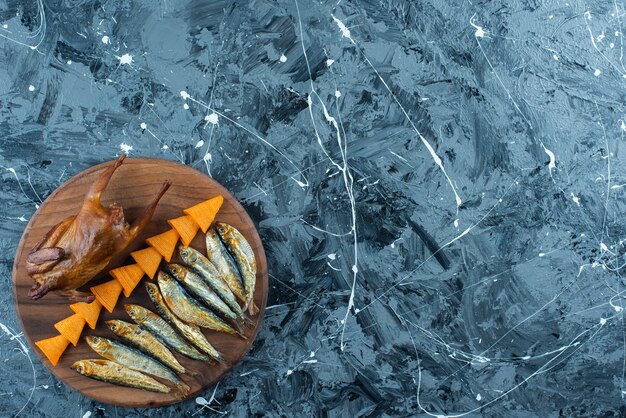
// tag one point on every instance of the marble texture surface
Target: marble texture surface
(439, 186)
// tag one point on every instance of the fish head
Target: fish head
(114, 325)
(164, 279)
(189, 255)
(135, 311)
(97, 343)
(175, 269)
(153, 290)
(80, 366)
(221, 227)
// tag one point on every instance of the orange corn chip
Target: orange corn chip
(204, 212)
(164, 243)
(89, 311)
(148, 259)
(128, 276)
(107, 293)
(53, 347)
(71, 328)
(186, 228)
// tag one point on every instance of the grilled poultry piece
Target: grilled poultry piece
(78, 248)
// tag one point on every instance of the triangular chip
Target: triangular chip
(186, 228)
(53, 347)
(107, 294)
(89, 311)
(148, 259)
(71, 328)
(128, 276)
(164, 243)
(204, 212)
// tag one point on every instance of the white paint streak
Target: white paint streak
(332, 267)
(283, 58)
(39, 33)
(106, 40)
(31, 88)
(212, 118)
(552, 163)
(186, 96)
(126, 148)
(24, 350)
(480, 32)
(125, 59)
(346, 33)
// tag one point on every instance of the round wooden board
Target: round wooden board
(133, 185)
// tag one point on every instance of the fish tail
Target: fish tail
(219, 359)
(251, 307)
(193, 373)
(183, 388)
(238, 330)
(239, 323)
(247, 321)
(179, 394)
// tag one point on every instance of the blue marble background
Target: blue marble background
(439, 186)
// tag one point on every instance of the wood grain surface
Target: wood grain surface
(133, 185)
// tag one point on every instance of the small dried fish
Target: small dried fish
(112, 372)
(243, 255)
(211, 276)
(146, 342)
(224, 263)
(159, 327)
(191, 332)
(187, 309)
(133, 359)
(198, 288)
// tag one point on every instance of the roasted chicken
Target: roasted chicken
(78, 248)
